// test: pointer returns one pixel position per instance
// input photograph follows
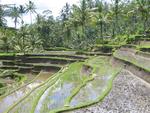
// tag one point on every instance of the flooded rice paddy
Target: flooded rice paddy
(70, 88)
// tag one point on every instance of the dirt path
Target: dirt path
(129, 94)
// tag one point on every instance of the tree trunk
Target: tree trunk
(145, 23)
(101, 26)
(22, 22)
(113, 30)
(31, 17)
(15, 24)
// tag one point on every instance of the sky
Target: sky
(54, 5)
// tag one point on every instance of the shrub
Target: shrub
(105, 48)
(101, 41)
(130, 39)
(1, 85)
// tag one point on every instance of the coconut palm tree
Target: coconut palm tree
(22, 10)
(143, 7)
(65, 14)
(31, 9)
(14, 14)
(2, 19)
(81, 16)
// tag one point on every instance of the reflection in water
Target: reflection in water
(91, 91)
(54, 97)
(14, 97)
(53, 94)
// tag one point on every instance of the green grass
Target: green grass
(20, 77)
(7, 54)
(144, 46)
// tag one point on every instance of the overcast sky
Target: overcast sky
(54, 5)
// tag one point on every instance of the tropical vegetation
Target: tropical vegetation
(78, 26)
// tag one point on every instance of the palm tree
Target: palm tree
(90, 4)
(22, 10)
(31, 9)
(15, 15)
(143, 7)
(116, 15)
(100, 18)
(81, 16)
(2, 19)
(44, 27)
(131, 17)
(65, 14)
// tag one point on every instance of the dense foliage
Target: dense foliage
(78, 26)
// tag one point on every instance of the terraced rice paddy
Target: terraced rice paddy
(76, 85)
(28, 66)
(59, 87)
(63, 81)
(131, 57)
(22, 91)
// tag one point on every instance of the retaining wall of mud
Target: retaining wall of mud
(134, 69)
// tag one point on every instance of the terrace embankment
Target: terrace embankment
(139, 64)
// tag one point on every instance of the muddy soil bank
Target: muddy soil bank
(134, 69)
